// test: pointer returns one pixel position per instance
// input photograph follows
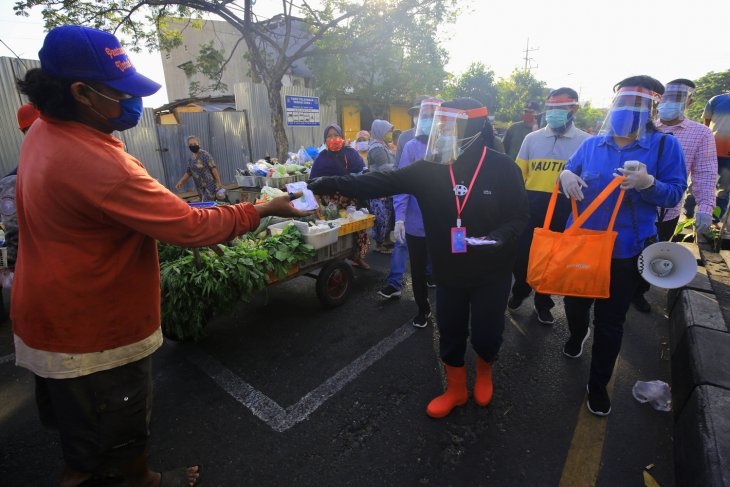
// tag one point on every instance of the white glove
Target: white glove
(702, 221)
(399, 232)
(572, 184)
(636, 179)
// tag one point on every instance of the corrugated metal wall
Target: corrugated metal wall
(223, 134)
(253, 98)
(10, 100)
(142, 142)
(162, 149)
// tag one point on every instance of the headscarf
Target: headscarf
(333, 126)
(363, 134)
(379, 129)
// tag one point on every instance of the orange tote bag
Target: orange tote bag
(576, 262)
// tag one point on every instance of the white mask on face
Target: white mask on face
(415, 120)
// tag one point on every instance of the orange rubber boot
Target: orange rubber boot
(455, 395)
(483, 383)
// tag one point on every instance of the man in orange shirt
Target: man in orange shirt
(86, 296)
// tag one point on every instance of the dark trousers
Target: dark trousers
(608, 318)
(485, 305)
(520, 288)
(538, 209)
(418, 257)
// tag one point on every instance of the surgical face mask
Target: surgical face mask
(415, 121)
(670, 110)
(556, 118)
(626, 121)
(362, 146)
(194, 148)
(388, 138)
(131, 111)
(425, 127)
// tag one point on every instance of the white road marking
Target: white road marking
(267, 410)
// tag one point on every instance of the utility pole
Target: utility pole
(528, 59)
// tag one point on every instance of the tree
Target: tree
(587, 117)
(299, 32)
(514, 93)
(478, 83)
(400, 67)
(709, 85)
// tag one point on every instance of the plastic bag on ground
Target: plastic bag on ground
(655, 392)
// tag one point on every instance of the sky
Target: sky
(586, 45)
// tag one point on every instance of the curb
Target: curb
(700, 351)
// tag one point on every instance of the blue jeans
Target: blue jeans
(398, 265)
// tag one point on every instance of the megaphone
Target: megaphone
(667, 265)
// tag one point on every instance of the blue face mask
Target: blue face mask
(425, 127)
(131, 112)
(626, 121)
(556, 118)
(670, 110)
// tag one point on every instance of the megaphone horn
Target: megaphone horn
(667, 265)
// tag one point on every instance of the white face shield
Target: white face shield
(446, 139)
(425, 115)
(674, 102)
(631, 109)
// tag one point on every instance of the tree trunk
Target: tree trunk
(277, 119)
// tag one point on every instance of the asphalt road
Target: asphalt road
(286, 393)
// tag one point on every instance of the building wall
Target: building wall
(223, 36)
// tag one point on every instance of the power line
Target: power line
(528, 59)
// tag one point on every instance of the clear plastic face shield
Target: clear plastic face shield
(673, 102)
(631, 109)
(425, 115)
(446, 140)
(559, 112)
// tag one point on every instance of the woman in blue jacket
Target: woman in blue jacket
(658, 179)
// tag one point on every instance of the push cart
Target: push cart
(328, 265)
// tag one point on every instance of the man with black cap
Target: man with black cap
(517, 132)
(474, 208)
(86, 296)
(410, 133)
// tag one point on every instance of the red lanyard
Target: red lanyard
(460, 206)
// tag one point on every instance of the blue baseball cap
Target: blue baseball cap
(75, 52)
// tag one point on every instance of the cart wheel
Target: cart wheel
(334, 283)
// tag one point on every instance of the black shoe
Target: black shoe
(641, 304)
(389, 292)
(573, 348)
(598, 401)
(429, 282)
(421, 319)
(544, 316)
(514, 302)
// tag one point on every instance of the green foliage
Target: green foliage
(514, 93)
(709, 85)
(477, 82)
(387, 52)
(192, 294)
(587, 117)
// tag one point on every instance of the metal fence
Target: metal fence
(232, 137)
(253, 98)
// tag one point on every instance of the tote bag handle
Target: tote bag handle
(578, 221)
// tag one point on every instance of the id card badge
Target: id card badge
(458, 240)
